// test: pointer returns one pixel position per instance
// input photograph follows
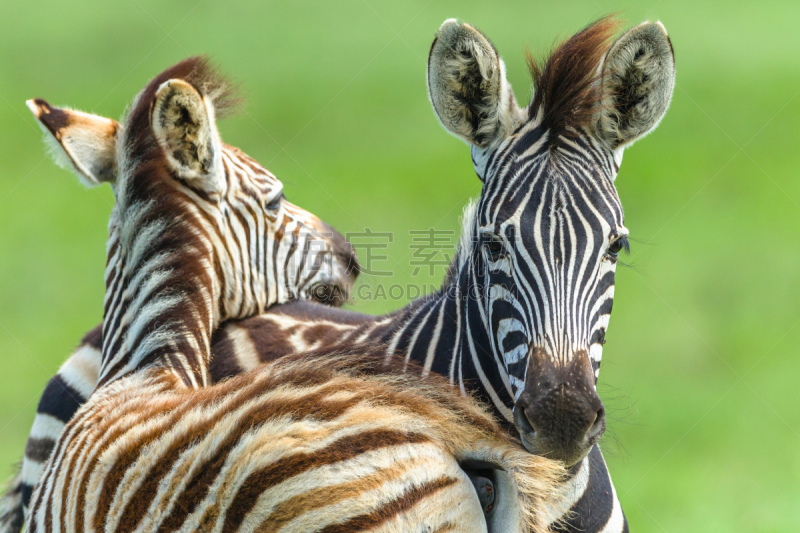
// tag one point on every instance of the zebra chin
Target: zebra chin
(559, 414)
(570, 453)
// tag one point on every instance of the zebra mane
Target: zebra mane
(566, 84)
(150, 225)
(465, 243)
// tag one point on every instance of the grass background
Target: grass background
(701, 370)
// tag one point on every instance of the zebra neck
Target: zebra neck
(425, 332)
(162, 295)
(446, 333)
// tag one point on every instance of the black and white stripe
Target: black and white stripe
(266, 256)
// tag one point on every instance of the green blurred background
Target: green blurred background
(701, 371)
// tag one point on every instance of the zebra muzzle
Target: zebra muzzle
(559, 414)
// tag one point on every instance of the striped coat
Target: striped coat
(319, 443)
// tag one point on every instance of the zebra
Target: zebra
(430, 331)
(270, 250)
(316, 443)
(320, 443)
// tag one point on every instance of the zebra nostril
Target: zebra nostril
(486, 495)
(523, 423)
(598, 426)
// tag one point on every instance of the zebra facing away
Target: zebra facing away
(269, 250)
(321, 442)
(436, 331)
(324, 442)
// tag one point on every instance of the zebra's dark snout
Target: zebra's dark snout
(335, 288)
(559, 414)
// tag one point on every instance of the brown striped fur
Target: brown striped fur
(318, 443)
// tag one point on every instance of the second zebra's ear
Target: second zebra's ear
(183, 123)
(468, 88)
(84, 143)
(638, 78)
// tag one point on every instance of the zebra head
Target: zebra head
(543, 239)
(273, 251)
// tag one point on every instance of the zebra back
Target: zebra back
(311, 443)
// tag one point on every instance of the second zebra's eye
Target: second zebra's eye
(494, 246)
(617, 246)
(275, 203)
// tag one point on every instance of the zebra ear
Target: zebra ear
(638, 78)
(79, 141)
(467, 86)
(183, 124)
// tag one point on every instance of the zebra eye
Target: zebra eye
(617, 246)
(494, 246)
(275, 203)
